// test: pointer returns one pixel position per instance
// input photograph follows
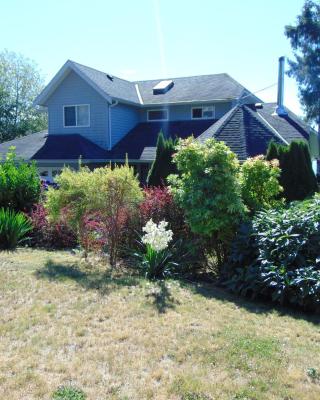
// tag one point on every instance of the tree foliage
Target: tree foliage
(297, 177)
(20, 83)
(304, 37)
(260, 186)
(163, 164)
(208, 190)
(19, 183)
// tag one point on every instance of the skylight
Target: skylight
(163, 87)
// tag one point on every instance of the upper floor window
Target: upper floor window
(157, 115)
(76, 116)
(202, 112)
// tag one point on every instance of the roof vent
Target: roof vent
(110, 77)
(163, 87)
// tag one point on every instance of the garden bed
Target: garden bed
(118, 336)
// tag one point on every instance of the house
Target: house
(102, 118)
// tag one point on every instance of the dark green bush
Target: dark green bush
(13, 228)
(297, 177)
(68, 393)
(20, 185)
(163, 165)
(278, 256)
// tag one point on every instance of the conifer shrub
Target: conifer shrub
(163, 164)
(297, 177)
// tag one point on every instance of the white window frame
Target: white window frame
(202, 108)
(76, 126)
(49, 170)
(158, 109)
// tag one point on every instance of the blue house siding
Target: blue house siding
(123, 119)
(75, 90)
(183, 112)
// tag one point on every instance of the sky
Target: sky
(147, 39)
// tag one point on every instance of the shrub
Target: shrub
(260, 187)
(50, 234)
(158, 205)
(19, 183)
(68, 393)
(297, 177)
(113, 193)
(13, 228)
(163, 165)
(208, 190)
(279, 256)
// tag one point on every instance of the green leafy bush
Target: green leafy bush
(278, 257)
(20, 185)
(297, 177)
(13, 228)
(260, 187)
(114, 193)
(208, 190)
(68, 393)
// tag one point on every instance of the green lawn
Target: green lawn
(121, 337)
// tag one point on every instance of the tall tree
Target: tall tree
(163, 164)
(20, 83)
(304, 37)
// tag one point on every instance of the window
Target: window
(157, 115)
(202, 112)
(78, 115)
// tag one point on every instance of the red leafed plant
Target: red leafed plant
(100, 232)
(159, 205)
(53, 235)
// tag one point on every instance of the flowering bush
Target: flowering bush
(156, 236)
(48, 234)
(260, 186)
(155, 257)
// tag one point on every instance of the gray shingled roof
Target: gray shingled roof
(188, 89)
(247, 130)
(193, 88)
(26, 146)
(117, 87)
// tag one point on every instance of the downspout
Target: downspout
(112, 105)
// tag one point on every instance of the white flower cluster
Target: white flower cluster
(157, 236)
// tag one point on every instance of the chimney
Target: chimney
(281, 111)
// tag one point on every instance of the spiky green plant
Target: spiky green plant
(13, 228)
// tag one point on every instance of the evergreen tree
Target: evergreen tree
(304, 38)
(273, 151)
(162, 166)
(297, 177)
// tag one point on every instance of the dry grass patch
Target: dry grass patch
(120, 337)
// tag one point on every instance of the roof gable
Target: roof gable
(247, 130)
(59, 78)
